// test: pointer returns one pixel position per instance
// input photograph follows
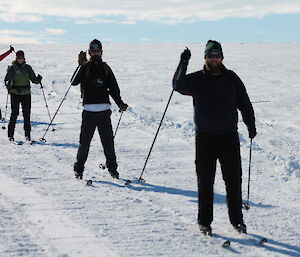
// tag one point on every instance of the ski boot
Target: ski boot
(11, 139)
(78, 174)
(114, 173)
(78, 170)
(241, 228)
(205, 230)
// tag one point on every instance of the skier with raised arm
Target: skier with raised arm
(218, 94)
(97, 83)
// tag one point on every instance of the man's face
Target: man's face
(214, 60)
(20, 60)
(95, 53)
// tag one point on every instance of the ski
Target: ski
(210, 236)
(17, 142)
(254, 240)
(88, 182)
(30, 142)
(137, 180)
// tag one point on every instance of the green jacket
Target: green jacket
(18, 78)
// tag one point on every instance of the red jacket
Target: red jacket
(2, 56)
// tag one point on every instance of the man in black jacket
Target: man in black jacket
(97, 82)
(217, 95)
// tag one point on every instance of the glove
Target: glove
(123, 107)
(39, 78)
(82, 60)
(252, 133)
(185, 55)
(11, 49)
(8, 86)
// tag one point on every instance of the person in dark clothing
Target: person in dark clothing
(97, 83)
(17, 81)
(2, 56)
(217, 95)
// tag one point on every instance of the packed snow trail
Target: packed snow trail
(156, 218)
(46, 222)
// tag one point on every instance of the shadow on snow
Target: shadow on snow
(271, 245)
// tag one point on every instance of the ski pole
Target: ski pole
(3, 119)
(140, 178)
(247, 204)
(42, 139)
(118, 124)
(53, 129)
(101, 165)
(259, 102)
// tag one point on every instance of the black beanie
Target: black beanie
(213, 46)
(20, 53)
(95, 45)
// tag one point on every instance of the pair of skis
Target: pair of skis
(227, 243)
(19, 142)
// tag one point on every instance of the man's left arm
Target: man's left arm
(114, 90)
(34, 79)
(245, 106)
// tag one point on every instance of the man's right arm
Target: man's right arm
(181, 81)
(8, 80)
(78, 76)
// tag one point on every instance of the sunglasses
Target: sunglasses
(213, 56)
(20, 58)
(95, 51)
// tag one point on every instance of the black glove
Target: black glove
(82, 60)
(8, 86)
(39, 78)
(252, 133)
(123, 107)
(11, 49)
(185, 55)
(8, 89)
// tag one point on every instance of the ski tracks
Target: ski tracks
(55, 234)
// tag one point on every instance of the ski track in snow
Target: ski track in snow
(46, 212)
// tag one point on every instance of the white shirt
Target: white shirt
(96, 107)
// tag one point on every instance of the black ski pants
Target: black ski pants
(91, 120)
(15, 101)
(226, 149)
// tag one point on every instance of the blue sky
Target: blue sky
(68, 21)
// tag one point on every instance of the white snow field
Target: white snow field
(45, 211)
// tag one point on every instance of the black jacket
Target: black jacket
(216, 99)
(97, 82)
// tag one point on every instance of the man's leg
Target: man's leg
(230, 160)
(106, 136)
(206, 168)
(88, 126)
(15, 103)
(26, 109)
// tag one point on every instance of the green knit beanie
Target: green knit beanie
(213, 46)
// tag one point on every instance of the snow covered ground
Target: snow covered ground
(46, 212)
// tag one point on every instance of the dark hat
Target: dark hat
(213, 46)
(95, 45)
(19, 54)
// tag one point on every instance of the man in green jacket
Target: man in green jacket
(17, 81)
